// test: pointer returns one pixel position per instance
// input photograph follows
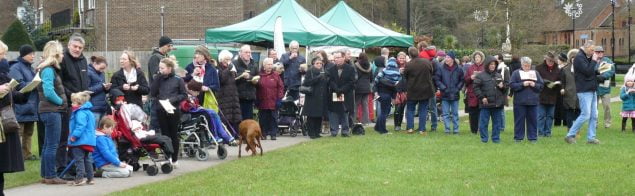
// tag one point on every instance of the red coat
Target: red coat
(472, 99)
(428, 54)
(270, 89)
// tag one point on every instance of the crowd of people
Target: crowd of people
(71, 106)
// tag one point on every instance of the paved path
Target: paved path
(104, 186)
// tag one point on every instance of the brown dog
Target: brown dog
(250, 133)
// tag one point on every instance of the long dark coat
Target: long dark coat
(315, 102)
(344, 84)
(227, 96)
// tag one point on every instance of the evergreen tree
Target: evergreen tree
(16, 36)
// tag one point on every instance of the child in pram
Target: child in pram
(133, 118)
(192, 106)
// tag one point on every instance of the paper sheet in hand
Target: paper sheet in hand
(167, 106)
(12, 85)
(32, 85)
(337, 99)
(604, 67)
(528, 75)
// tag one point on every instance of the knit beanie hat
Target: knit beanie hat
(25, 50)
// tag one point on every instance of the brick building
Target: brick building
(137, 24)
(595, 24)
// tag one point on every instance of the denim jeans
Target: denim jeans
(336, 119)
(410, 114)
(589, 112)
(545, 118)
(450, 114)
(52, 122)
(83, 163)
(502, 125)
(384, 100)
(432, 108)
(98, 116)
(485, 115)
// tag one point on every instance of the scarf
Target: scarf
(131, 77)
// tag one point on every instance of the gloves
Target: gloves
(600, 78)
(278, 103)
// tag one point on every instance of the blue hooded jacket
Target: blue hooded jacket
(82, 126)
(105, 151)
(387, 79)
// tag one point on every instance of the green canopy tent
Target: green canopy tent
(297, 24)
(344, 17)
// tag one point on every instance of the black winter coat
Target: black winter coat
(153, 63)
(119, 79)
(168, 87)
(11, 150)
(227, 96)
(246, 89)
(585, 73)
(74, 74)
(486, 86)
(315, 102)
(344, 84)
(364, 78)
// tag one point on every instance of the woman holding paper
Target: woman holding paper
(526, 85)
(169, 91)
(550, 73)
(130, 79)
(26, 113)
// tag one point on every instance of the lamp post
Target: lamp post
(613, 38)
(629, 31)
(573, 12)
(408, 17)
(481, 16)
(162, 21)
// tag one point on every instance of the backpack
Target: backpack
(358, 129)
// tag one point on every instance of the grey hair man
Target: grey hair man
(74, 75)
(586, 65)
(292, 74)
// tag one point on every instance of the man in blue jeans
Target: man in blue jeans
(586, 80)
(432, 109)
(420, 88)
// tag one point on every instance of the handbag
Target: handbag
(9, 122)
(307, 90)
(401, 98)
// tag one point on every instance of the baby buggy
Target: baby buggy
(131, 149)
(289, 119)
(196, 137)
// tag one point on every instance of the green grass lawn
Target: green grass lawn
(439, 164)
(32, 170)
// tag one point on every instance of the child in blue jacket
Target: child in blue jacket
(105, 155)
(81, 139)
(627, 94)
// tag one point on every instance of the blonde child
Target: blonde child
(627, 94)
(81, 139)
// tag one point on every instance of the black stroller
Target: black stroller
(289, 119)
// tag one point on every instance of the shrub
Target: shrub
(16, 36)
